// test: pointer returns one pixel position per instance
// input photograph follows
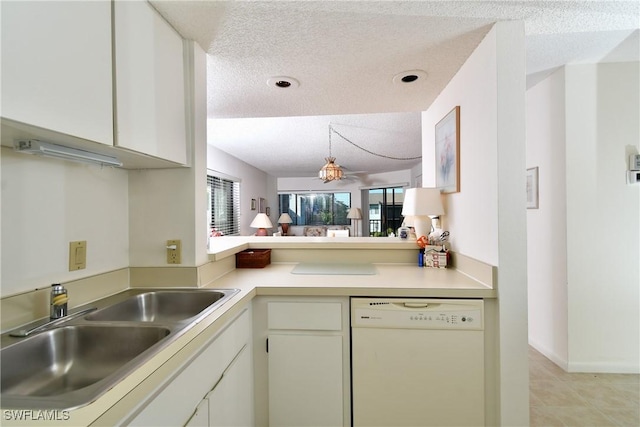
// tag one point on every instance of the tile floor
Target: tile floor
(558, 398)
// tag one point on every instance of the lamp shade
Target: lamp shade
(285, 219)
(422, 202)
(354, 213)
(261, 222)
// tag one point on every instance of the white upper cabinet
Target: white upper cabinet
(57, 68)
(149, 82)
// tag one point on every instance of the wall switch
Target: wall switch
(174, 251)
(77, 255)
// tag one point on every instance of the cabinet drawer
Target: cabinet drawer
(313, 316)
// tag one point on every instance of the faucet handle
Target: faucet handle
(59, 300)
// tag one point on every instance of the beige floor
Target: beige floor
(559, 398)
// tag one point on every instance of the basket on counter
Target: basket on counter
(253, 258)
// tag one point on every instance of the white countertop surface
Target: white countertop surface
(389, 280)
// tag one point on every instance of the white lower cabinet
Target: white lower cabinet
(200, 417)
(302, 361)
(305, 380)
(230, 403)
(215, 388)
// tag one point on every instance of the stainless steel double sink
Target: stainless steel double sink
(73, 363)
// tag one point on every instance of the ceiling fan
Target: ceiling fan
(332, 171)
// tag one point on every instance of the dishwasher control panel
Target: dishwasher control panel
(417, 313)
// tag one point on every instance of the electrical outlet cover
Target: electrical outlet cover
(174, 256)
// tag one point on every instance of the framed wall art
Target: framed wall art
(253, 204)
(532, 188)
(448, 152)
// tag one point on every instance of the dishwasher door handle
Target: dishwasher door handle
(416, 304)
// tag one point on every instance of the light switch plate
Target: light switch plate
(77, 255)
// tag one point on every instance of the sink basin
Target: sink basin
(66, 362)
(73, 363)
(160, 306)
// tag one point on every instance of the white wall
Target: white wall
(47, 203)
(603, 211)
(582, 123)
(254, 183)
(487, 217)
(547, 226)
(471, 214)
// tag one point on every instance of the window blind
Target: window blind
(224, 197)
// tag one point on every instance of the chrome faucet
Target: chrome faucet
(22, 333)
(59, 299)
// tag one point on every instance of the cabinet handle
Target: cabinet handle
(267, 345)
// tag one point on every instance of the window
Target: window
(385, 208)
(224, 205)
(316, 208)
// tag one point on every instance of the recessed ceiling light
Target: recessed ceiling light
(283, 82)
(410, 76)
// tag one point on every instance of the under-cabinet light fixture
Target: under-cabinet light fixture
(47, 149)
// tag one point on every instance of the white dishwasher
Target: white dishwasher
(417, 362)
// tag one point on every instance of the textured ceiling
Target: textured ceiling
(345, 54)
(307, 141)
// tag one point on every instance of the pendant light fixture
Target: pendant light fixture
(333, 172)
(330, 171)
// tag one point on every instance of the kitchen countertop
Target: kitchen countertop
(390, 280)
(276, 279)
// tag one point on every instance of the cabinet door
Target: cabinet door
(149, 71)
(57, 68)
(231, 401)
(200, 417)
(176, 403)
(305, 380)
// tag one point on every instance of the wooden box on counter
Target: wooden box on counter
(253, 258)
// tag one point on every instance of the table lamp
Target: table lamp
(421, 204)
(284, 221)
(261, 222)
